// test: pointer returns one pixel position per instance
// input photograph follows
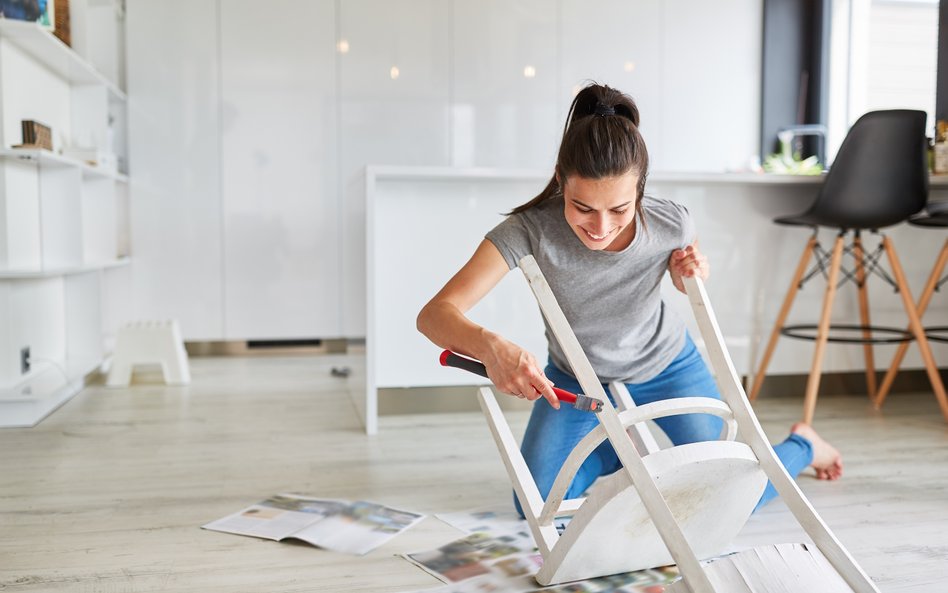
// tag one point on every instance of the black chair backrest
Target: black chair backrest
(880, 175)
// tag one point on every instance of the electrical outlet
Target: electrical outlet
(24, 360)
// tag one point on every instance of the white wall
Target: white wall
(210, 95)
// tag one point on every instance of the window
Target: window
(827, 62)
(883, 55)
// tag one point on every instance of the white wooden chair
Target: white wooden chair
(679, 505)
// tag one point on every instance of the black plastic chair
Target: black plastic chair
(935, 216)
(879, 179)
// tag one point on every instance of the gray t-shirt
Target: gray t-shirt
(612, 300)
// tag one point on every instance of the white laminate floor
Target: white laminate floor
(108, 493)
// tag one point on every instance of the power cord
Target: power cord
(30, 360)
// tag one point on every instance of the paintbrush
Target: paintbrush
(580, 402)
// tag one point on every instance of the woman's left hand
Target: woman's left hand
(687, 262)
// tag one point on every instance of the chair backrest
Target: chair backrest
(880, 175)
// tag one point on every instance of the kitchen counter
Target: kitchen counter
(423, 223)
(434, 173)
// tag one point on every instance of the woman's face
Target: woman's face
(602, 211)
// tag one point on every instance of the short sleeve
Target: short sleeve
(688, 227)
(512, 239)
(688, 231)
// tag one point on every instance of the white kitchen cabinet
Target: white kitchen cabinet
(174, 143)
(504, 81)
(618, 43)
(710, 85)
(394, 109)
(252, 128)
(279, 163)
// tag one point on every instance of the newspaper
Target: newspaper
(496, 519)
(339, 525)
(499, 554)
(514, 573)
(509, 555)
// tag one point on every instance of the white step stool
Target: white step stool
(149, 342)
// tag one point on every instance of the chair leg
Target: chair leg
(640, 433)
(822, 332)
(922, 305)
(782, 317)
(526, 488)
(754, 436)
(916, 326)
(864, 318)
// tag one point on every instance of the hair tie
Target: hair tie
(602, 110)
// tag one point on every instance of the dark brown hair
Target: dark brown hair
(600, 139)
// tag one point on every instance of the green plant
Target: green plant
(790, 163)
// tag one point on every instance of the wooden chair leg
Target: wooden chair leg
(922, 305)
(864, 318)
(918, 331)
(782, 317)
(822, 332)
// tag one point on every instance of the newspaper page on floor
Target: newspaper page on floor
(499, 555)
(338, 525)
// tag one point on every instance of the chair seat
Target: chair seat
(849, 221)
(711, 488)
(930, 219)
(796, 220)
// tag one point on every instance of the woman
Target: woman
(604, 248)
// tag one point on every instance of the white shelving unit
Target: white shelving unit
(55, 55)
(51, 159)
(64, 262)
(67, 271)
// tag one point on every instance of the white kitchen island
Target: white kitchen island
(424, 223)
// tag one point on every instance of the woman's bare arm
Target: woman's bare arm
(511, 368)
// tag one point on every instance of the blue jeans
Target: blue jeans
(552, 434)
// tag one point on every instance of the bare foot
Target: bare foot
(827, 460)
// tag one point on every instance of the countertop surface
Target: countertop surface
(377, 172)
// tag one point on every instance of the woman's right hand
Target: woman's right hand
(516, 372)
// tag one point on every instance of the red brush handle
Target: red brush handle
(565, 396)
(450, 359)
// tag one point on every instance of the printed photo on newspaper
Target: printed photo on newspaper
(339, 525)
(499, 554)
